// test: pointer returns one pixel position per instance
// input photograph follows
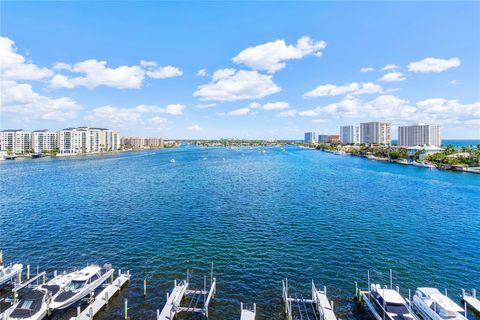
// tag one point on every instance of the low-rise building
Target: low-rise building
(328, 138)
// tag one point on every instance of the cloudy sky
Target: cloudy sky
(244, 70)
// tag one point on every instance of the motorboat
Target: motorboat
(431, 304)
(79, 284)
(390, 303)
(34, 303)
(8, 273)
(172, 161)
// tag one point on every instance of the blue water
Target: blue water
(301, 214)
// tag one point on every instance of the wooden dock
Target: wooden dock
(173, 301)
(102, 298)
(471, 300)
(246, 313)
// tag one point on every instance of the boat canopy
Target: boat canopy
(391, 296)
(445, 302)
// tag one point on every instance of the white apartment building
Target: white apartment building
(15, 141)
(87, 140)
(375, 132)
(349, 134)
(419, 135)
(310, 137)
(43, 140)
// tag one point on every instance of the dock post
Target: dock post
(78, 311)
(391, 285)
(106, 298)
(463, 294)
(28, 272)
(368, 278)
(465, 308)
(145, 287)
(255, 308)
(398, 289)
(55, 273)
(126, 309)
(331, 303)
(325, 290)
(356, 290)
(446, 292)
(241, 306)
(409, 300)
(474, 293)
(19, 277)
(111, 278)
(44, 278)
(38, 272)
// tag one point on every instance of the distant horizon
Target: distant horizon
(243, 69)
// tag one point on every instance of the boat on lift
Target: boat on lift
(431, 304)
(79, 284)
(390, 303)
(8, 273)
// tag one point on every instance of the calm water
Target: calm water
(301, 214)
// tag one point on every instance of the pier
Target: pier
(103, 297)
(247, 313)
(471, 300)
(316, 308)
(196, 301)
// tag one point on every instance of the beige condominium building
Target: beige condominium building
(419, 135)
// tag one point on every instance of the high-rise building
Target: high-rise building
(349, 134)
(15, 141)
(43, 140)
(310, 137)
(375, 132)
(419, 135)
(87, 140)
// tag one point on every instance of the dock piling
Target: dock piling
(391, 282)
(145, 287)
(126, 309)
(28, 272)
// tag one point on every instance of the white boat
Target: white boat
(431, 304)
(8, 273)
(205, 158)
(172, 161)
(390, 303)
(79, 284)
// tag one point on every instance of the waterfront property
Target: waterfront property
(349, 134)
(310, 137)
(419, 135)
(375, 133)
(328, 138)
(142, 143)
(15, 141)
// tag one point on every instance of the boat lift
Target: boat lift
(316, 308)
(248, 313)
(195, 301)
(470, 299)
(363, 297)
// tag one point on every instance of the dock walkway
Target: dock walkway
(103, 297)
(246, 313)
(323, 306)
(471, 300)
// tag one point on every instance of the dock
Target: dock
(103, 297)
(316, 308)
(471, 300)
(247, 313)
(195, 301)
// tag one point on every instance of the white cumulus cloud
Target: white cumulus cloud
(240, 112)
(392, 77)
(195, 127)
(233, 85)
(433, 65)
(289, 113)
(276, 105)
(14, 67)
(116, 115)
(20, 98)
(271, 56)
(202, 73)
(350, 88)
(390, 67)
(164, 72)
(366, 69)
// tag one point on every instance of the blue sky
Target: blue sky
(240, 69)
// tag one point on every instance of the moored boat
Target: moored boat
(390, 303)
(431, 304)
(79, 284)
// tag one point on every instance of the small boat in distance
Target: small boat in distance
(205, 158)
(79, 284)
(172, 160)
(390, 303)
(431, 304)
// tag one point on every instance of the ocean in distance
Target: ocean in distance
(259, 217)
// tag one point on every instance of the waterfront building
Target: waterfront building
(310, 137)
(139, 142)
(422, 151)
(87, 140)
(328, 138)
(419, 135)
(109, 140)
(375, 132)
(349, 134)
(15, 141)
(43, 140)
